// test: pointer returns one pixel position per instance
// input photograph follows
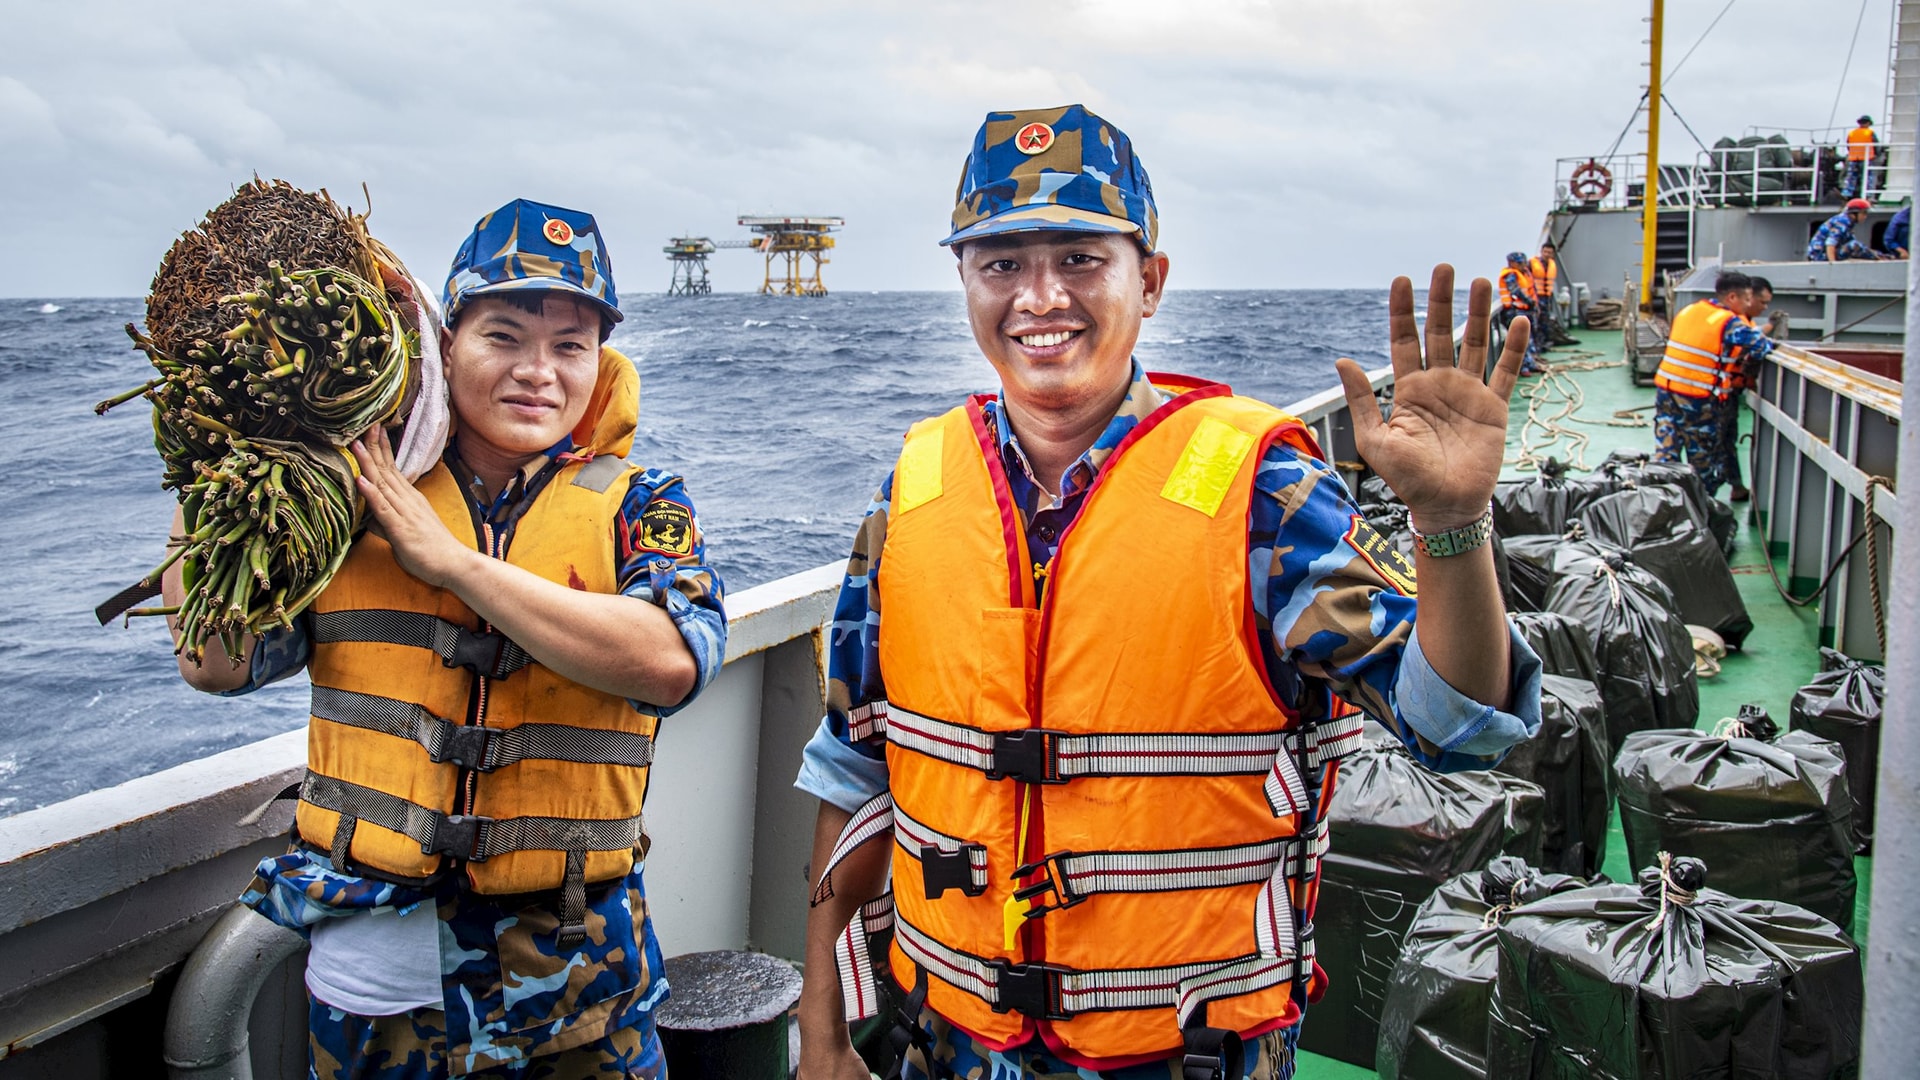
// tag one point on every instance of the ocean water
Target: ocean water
(782, 414)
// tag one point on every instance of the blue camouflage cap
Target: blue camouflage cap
(1061, 168)
(530, 245)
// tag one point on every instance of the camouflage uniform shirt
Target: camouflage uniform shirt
(1329, 617)
(511, 992)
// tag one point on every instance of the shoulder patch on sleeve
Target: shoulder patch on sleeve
(666, 527)
(1388, 561)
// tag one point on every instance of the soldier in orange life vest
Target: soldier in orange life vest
(1544, 270)
(1711, 349)
(1123, 615)
(489, 667)
(1515, 288)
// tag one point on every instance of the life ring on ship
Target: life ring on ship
(1591, 182)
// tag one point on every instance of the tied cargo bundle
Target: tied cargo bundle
(1772, 811)
(1669, 538)
(1670, 980)
(1398, 831)
(1434, 1023)
(1642, 648)
(1843, 703)
(1568, 758)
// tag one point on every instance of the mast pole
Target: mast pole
(1650, 188)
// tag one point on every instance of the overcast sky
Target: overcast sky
(1292, 143)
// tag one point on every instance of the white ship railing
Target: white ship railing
(1733, 176)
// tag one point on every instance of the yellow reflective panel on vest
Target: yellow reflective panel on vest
(916, 480)
(1206, 468)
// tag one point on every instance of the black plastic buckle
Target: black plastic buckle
(1028, 755)
(468, 746)
(458, 835)
(1029, 989)
(478, 651)
(1055, 882)
(943, 870)
(1212, 1054)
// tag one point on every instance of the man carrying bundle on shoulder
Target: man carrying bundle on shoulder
(1090, 734)
(489, 668)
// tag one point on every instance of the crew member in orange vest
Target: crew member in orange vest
(1122, 612)
(1710, 352)
(1516, 291)
(1862, 148)
(1544, 270)
(489, 666)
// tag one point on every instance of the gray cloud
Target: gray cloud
(1292, 144)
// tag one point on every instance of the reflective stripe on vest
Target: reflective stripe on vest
(1692, 365)
(1012, 722)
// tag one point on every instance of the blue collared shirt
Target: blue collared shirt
(1328, 617)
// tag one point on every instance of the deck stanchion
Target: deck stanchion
(1891, 1039)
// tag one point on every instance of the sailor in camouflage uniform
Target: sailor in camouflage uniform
(417, 978)
(1055, 229)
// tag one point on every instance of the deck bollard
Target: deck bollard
(727, 1016)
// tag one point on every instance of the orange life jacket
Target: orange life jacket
(1860, 144)
(1544, 273)
(434, 737)
(1693, 365)
(1113, 756)
(1516, 289)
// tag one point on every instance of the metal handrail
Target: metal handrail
(1813, 179)
(206, 1037)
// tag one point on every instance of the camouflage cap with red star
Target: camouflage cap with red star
(530, 245)
(1062, 168)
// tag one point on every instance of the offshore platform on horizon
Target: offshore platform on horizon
(793, 240)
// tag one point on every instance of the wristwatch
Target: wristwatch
(1458, 541)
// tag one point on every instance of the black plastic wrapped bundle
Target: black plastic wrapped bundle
(1642, 647)
(1568, 758)
(1534, 564)
(1434, 1023)
(1636, 468)
(1843, 703)
(1562, 644)
(1668, 537)
(1673, 981)
(1771, 811)
(1543, 503)
(1399, 830)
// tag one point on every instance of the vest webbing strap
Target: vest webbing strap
(491, 654)
(1046, 991)
(475, 839)
(1038, 755)
(1073, 876)
(853, 955)
(946, 862)
(481, 748)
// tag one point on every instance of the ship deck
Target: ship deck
(1777, 658)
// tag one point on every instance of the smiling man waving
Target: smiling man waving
(1118, 610)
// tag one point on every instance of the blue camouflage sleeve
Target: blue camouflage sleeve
(278, 654)
(662, 560)
(1744, 335)
(1339, 606)
(843, 764)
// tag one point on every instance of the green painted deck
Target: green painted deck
(1778, 657)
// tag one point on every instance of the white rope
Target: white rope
(1555, 389)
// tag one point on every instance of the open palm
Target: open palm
(1440, 450)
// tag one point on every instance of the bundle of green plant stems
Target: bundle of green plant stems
(280, 331)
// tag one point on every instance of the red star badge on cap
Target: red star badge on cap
(1035, 138)
(558, 231)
